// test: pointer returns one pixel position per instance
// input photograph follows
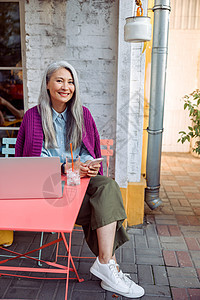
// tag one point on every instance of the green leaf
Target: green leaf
(190, 128)
(182, 132)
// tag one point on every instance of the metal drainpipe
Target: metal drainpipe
(156, 106)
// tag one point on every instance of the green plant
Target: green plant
(192, 104)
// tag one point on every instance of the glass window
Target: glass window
(11, 72)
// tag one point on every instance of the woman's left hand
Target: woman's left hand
(93, 170)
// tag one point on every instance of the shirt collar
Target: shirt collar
(56, 114)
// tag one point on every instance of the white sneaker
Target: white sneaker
(135, 291)
(110, 275)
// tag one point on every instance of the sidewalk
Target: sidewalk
(163, 254)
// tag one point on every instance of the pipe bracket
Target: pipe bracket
(153, 187)
(161, 6)
(154, 131)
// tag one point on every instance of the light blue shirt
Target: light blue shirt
(59, 122)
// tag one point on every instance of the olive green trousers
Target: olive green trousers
(102, 205)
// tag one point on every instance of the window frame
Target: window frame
(23, 57)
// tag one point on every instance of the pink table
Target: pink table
(47, 215)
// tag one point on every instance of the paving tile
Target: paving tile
(88, 295)
(194, 293)
(145, 274)
(174, 230)
(112, 296)
(190, 231)
(131, 243)
(195, 203)
(153, 241)
(186, 213)
(140, 242)
(170, 258)
(150, 230)
(164, 217)
(128, 268)
(21, 293)
(48, 289)
(179, 294)
(181, 272)
(184, 210)
(149, 260)
(5, 283)
(136, 231)
(150, 219)
(188, 282)
(182, 220)
(172, 239)
(157, 290)
(174, 246)
(92, 285)
(84, 267)
(163, 230)
(128, 255)
(149, 252)
(184, 259)
(175, 203)
(196, 211)
(184, 202)
(160, 275)
(166, 221)
(195, 258)
(193, 220)
(192, 244)
(176, 189)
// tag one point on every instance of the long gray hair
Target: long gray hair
(74, 110)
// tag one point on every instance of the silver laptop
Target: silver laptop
(30, 177)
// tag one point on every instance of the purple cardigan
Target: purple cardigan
(30, 136)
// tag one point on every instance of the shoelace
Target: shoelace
(126, 277)
(113, 268)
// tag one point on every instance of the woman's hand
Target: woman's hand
(91, 171)
(83, 169)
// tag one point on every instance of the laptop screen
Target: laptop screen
(30, 177)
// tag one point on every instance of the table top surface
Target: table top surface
(48, 215)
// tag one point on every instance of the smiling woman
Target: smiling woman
(61, 88)
(48, 130)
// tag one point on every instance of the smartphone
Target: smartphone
(95, 161)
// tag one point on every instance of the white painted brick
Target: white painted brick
(85, 33)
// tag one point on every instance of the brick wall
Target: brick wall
(45, 37)
(87, 35)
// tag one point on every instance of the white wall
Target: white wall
(89, 34)
(183, 77)
(45, 38)
(130, 102)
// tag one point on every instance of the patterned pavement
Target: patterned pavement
(163, 254)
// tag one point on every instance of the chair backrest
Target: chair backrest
(7, 142)
(105, 149)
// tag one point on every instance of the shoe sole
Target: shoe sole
(102, 277)
(110, 289)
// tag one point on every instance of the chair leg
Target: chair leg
(40, 251)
